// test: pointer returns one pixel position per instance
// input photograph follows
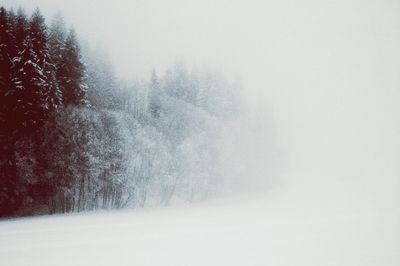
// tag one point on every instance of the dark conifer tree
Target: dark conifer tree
(20, 29)
(6, 56)
(72, 73)
(56, 43)
(13, 35)
(50, 101)
(52, 97)
(7, 171)
(27, 99)
(57, 35)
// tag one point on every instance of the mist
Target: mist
(320, 79)
(310, 165)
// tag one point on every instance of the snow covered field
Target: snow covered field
(281, 227)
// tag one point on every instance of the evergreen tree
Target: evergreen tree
(20, 29)
(50, 100)
(56, 43)
(13, 34)
(179, 85)
(27, 99)
(72, 74)
(51, 93)
(154, 95)
(6, 56)
(57, 33)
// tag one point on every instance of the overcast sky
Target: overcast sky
(327, 71)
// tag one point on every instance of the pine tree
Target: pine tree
(51, 93)
(56, 44)
(33, 91)
(72, 74)
(29, 105)
(6, 55)
(20, 29)
(178, 83)
(57, 33)
(154, 95)
(13, 34)
(50, 100)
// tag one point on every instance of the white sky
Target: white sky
(328, 70)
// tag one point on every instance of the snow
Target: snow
(279, 227)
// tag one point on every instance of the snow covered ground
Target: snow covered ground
(281, 227)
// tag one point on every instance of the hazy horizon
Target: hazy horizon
(323, 75)
(306, 172)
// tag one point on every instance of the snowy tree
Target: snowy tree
(72, 73)
(56, 39)
(56, 46)
(38, 31)
(10, 28)
(7, 50)
(155, 94)
(29, 105)
(177, 83)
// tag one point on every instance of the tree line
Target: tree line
(73, 137)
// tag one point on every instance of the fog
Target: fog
(321, 81)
